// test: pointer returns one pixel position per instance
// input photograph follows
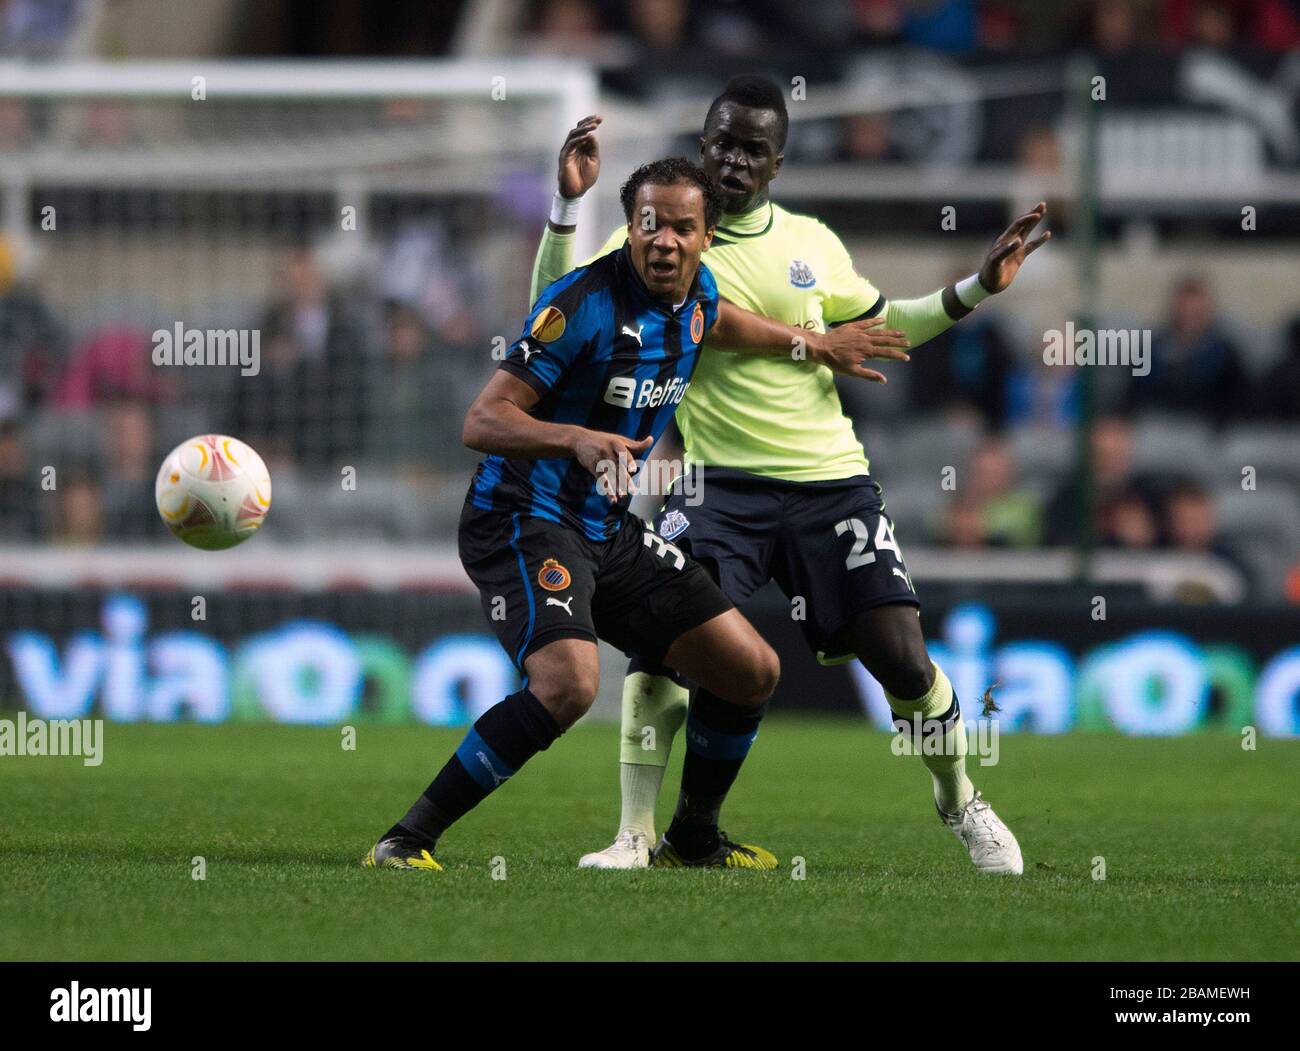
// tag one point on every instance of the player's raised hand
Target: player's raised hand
(1011, 248)
(843, 349)
(580, 158)
(611, 458)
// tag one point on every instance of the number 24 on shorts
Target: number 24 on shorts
(884, 541)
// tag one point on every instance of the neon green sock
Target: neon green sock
(944, 757)
(654, 708)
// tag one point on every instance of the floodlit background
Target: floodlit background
(364, 185)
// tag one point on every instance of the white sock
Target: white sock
(640, 783)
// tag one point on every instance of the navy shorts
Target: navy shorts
(828, 543)
(540, 581)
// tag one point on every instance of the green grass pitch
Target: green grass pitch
(1198, 835)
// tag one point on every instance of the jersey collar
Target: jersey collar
(627, 274)
(750, 224)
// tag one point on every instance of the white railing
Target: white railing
(391, 567)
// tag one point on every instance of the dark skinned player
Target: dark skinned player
(787, 493)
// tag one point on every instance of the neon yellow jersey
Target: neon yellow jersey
(775, 416)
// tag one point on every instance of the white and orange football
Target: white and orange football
(213, 491)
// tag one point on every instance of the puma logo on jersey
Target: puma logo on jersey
(625, 392)
(627, 331)
(563, 605)
(528, 351)
(899, 573)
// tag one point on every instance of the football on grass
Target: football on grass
(213, 491)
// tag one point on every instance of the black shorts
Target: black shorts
(540, 581)
(828, 543)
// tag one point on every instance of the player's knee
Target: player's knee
(907, 674)
(757, 679)
(568, 695)
(768, 673)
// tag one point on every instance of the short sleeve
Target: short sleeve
(552, 336)
(847, 294)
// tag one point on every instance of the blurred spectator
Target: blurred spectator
(1213, 23)
(941, 25)
(115, 361)
(415, 404)
(79, 510)
(108, 124)
(937, 25)
(660, 25)
(1270, 24)
(1279, 394)
(422, 266)
(1195, 368)
(568, 28)
(38, 28)
(1041, 395)
(1039, 176)
(304, 404)
(1114, 27)
(1011, 515)
(31, 344)
(878, 21)
(15, 127)
(964, 370)
(1190, 521)
(130, 464)
(1191, 526)
(1000, 27)
(866, 137)
(963, 524)
(20, 493)
(1128, 521)
(1113, 448)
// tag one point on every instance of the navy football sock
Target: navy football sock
(718, 737)
(505, 737)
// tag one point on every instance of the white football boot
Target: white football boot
(630, 850)
(992, 847)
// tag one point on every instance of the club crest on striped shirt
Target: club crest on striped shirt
(697, 324)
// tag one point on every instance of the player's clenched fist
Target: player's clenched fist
(843, 349)
(611, 458)
(580, 158)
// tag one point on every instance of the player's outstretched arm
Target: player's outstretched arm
(842, 349)
(924, 318)
(579, 167)
(499, 422)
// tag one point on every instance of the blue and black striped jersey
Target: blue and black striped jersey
(604, 355)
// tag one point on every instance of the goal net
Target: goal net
(363, 226)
